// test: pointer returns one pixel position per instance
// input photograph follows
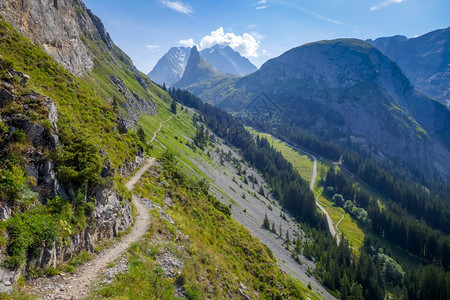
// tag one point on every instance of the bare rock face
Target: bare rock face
(72, 35)
(134, 105)
(424, 59)
(53, 25)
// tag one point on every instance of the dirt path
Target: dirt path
(78, 284)
(337, 224)
(159, 129)
(329, 221)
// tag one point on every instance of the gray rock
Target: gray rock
(49, 185)
(23, 78)
(57, 32)
(52, 112)
(122, 125)
(5, 97)
(5, 212)
(107, 170)
(166, 217)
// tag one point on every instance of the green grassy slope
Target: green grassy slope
(221, 253)
(221, 259)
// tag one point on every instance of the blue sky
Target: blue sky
(258, 29)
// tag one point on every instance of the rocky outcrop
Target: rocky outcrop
(112, 213)
(55, 26)
(75, 37)
(134, 105)
(424, 59)
(129, 166)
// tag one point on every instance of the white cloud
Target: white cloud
(385, 3)
(187, 43)
(261, 4)
(178, 6)
(246, 44)
(153, 47)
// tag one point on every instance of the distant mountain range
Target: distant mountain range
(346, 91)
(171, 66)
(197, 70)
(424, 59)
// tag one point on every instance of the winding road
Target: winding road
(329, 221)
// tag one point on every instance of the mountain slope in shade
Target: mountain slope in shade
(228, 61)
(171, 66)
(346, 91)
(424, 59)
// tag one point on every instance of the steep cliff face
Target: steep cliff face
(76, 38)
(424, 59)
(170, 67)
(56, 27)
(228, 61)
(197, 70)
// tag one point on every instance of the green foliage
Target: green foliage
(79, 162)
(141, 135)
(173, 107)
(18, 136)
(266, 222)
(12, 181)
(219, 205)
(393, 272)
(338, 199)
(40, 226)
(79, 259)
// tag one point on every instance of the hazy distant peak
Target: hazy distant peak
(171, 66)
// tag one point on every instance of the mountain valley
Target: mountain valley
(321, 175)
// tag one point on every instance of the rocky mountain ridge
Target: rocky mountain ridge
(76, 38)
(424, 59)
(169, 69)
(345, 90)
(228, 61)
(197, 70)
(171, 66)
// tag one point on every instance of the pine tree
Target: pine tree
(173, 107)
(141, 134)
(266, 222)
(115, 104)
(261, 191)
